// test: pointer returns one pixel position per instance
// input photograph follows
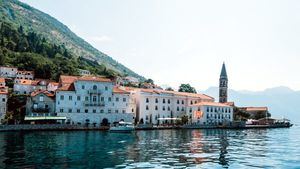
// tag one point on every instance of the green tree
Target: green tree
(149, 81)
(169, 89)
(187, 88)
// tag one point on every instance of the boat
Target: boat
(125, 127)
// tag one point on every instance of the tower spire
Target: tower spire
(223, 71)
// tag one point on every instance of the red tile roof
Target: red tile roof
(64, 79)
(94, 78)
(119, 90)
(254, 109)
(2, 80)
(3, 90)
(158, 91)
(211, 104)
(37, 92)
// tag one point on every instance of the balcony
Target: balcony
(94, 91)
(91, 104)
(40, 110)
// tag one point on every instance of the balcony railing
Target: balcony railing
(40, 110)
(93, 104)
(94, 91)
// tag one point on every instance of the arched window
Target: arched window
(147, 100)
(164, 101)
(147, 107)
(156, 100)
(94, 87)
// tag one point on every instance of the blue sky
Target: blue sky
(186, 41)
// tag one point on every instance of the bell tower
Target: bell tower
(223, 85)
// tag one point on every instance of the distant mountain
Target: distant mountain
(282, 101)
(55, 32)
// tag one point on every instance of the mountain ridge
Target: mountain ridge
(32, 19)
(282, 101)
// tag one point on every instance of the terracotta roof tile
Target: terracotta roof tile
(2, 80)
(119, 90)
(211, 104)
(49, 94)
(3, 90)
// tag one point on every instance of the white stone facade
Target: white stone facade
(90, 101)
(3, 104)
(8, 72)
(152, 105)
(24, 87)
(27, 75)
(83, 72)
(210, 113)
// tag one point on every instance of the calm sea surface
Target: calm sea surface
(263, 148)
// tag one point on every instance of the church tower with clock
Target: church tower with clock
(223, 85)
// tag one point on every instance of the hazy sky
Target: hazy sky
(186, 41)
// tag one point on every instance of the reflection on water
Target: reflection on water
(266, 148)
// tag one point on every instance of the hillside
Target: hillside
(282, 101)
(18, 13)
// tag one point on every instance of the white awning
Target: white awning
(45, 118)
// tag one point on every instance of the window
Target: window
(41, 98)
(177, 101)
(191, 102)
(147, 100)
(70, 110)
(102, 99)
(124, 99)
(78, 110)
(86, 98)
(86, 110)
(70, 98)
(190, 110)
(101, 111)
(109, 99)
(94, 87)
(147, 107)
(182, 102)
(169, 101)
(62, 97)
(106, 88)
(177, 108)
(3, 99)
(78, 98)
(169, 108)
(132, 110)
(196, 102)
(109, 110)
(82, 87)
(182, 109)
(207, 109)
(61, 110)
(94, 111)
(116, 111)
(156, 100)
(164, 101)
(117, 99)
(94, 98)
(123, 111)
(156, 108)
(163, 108)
